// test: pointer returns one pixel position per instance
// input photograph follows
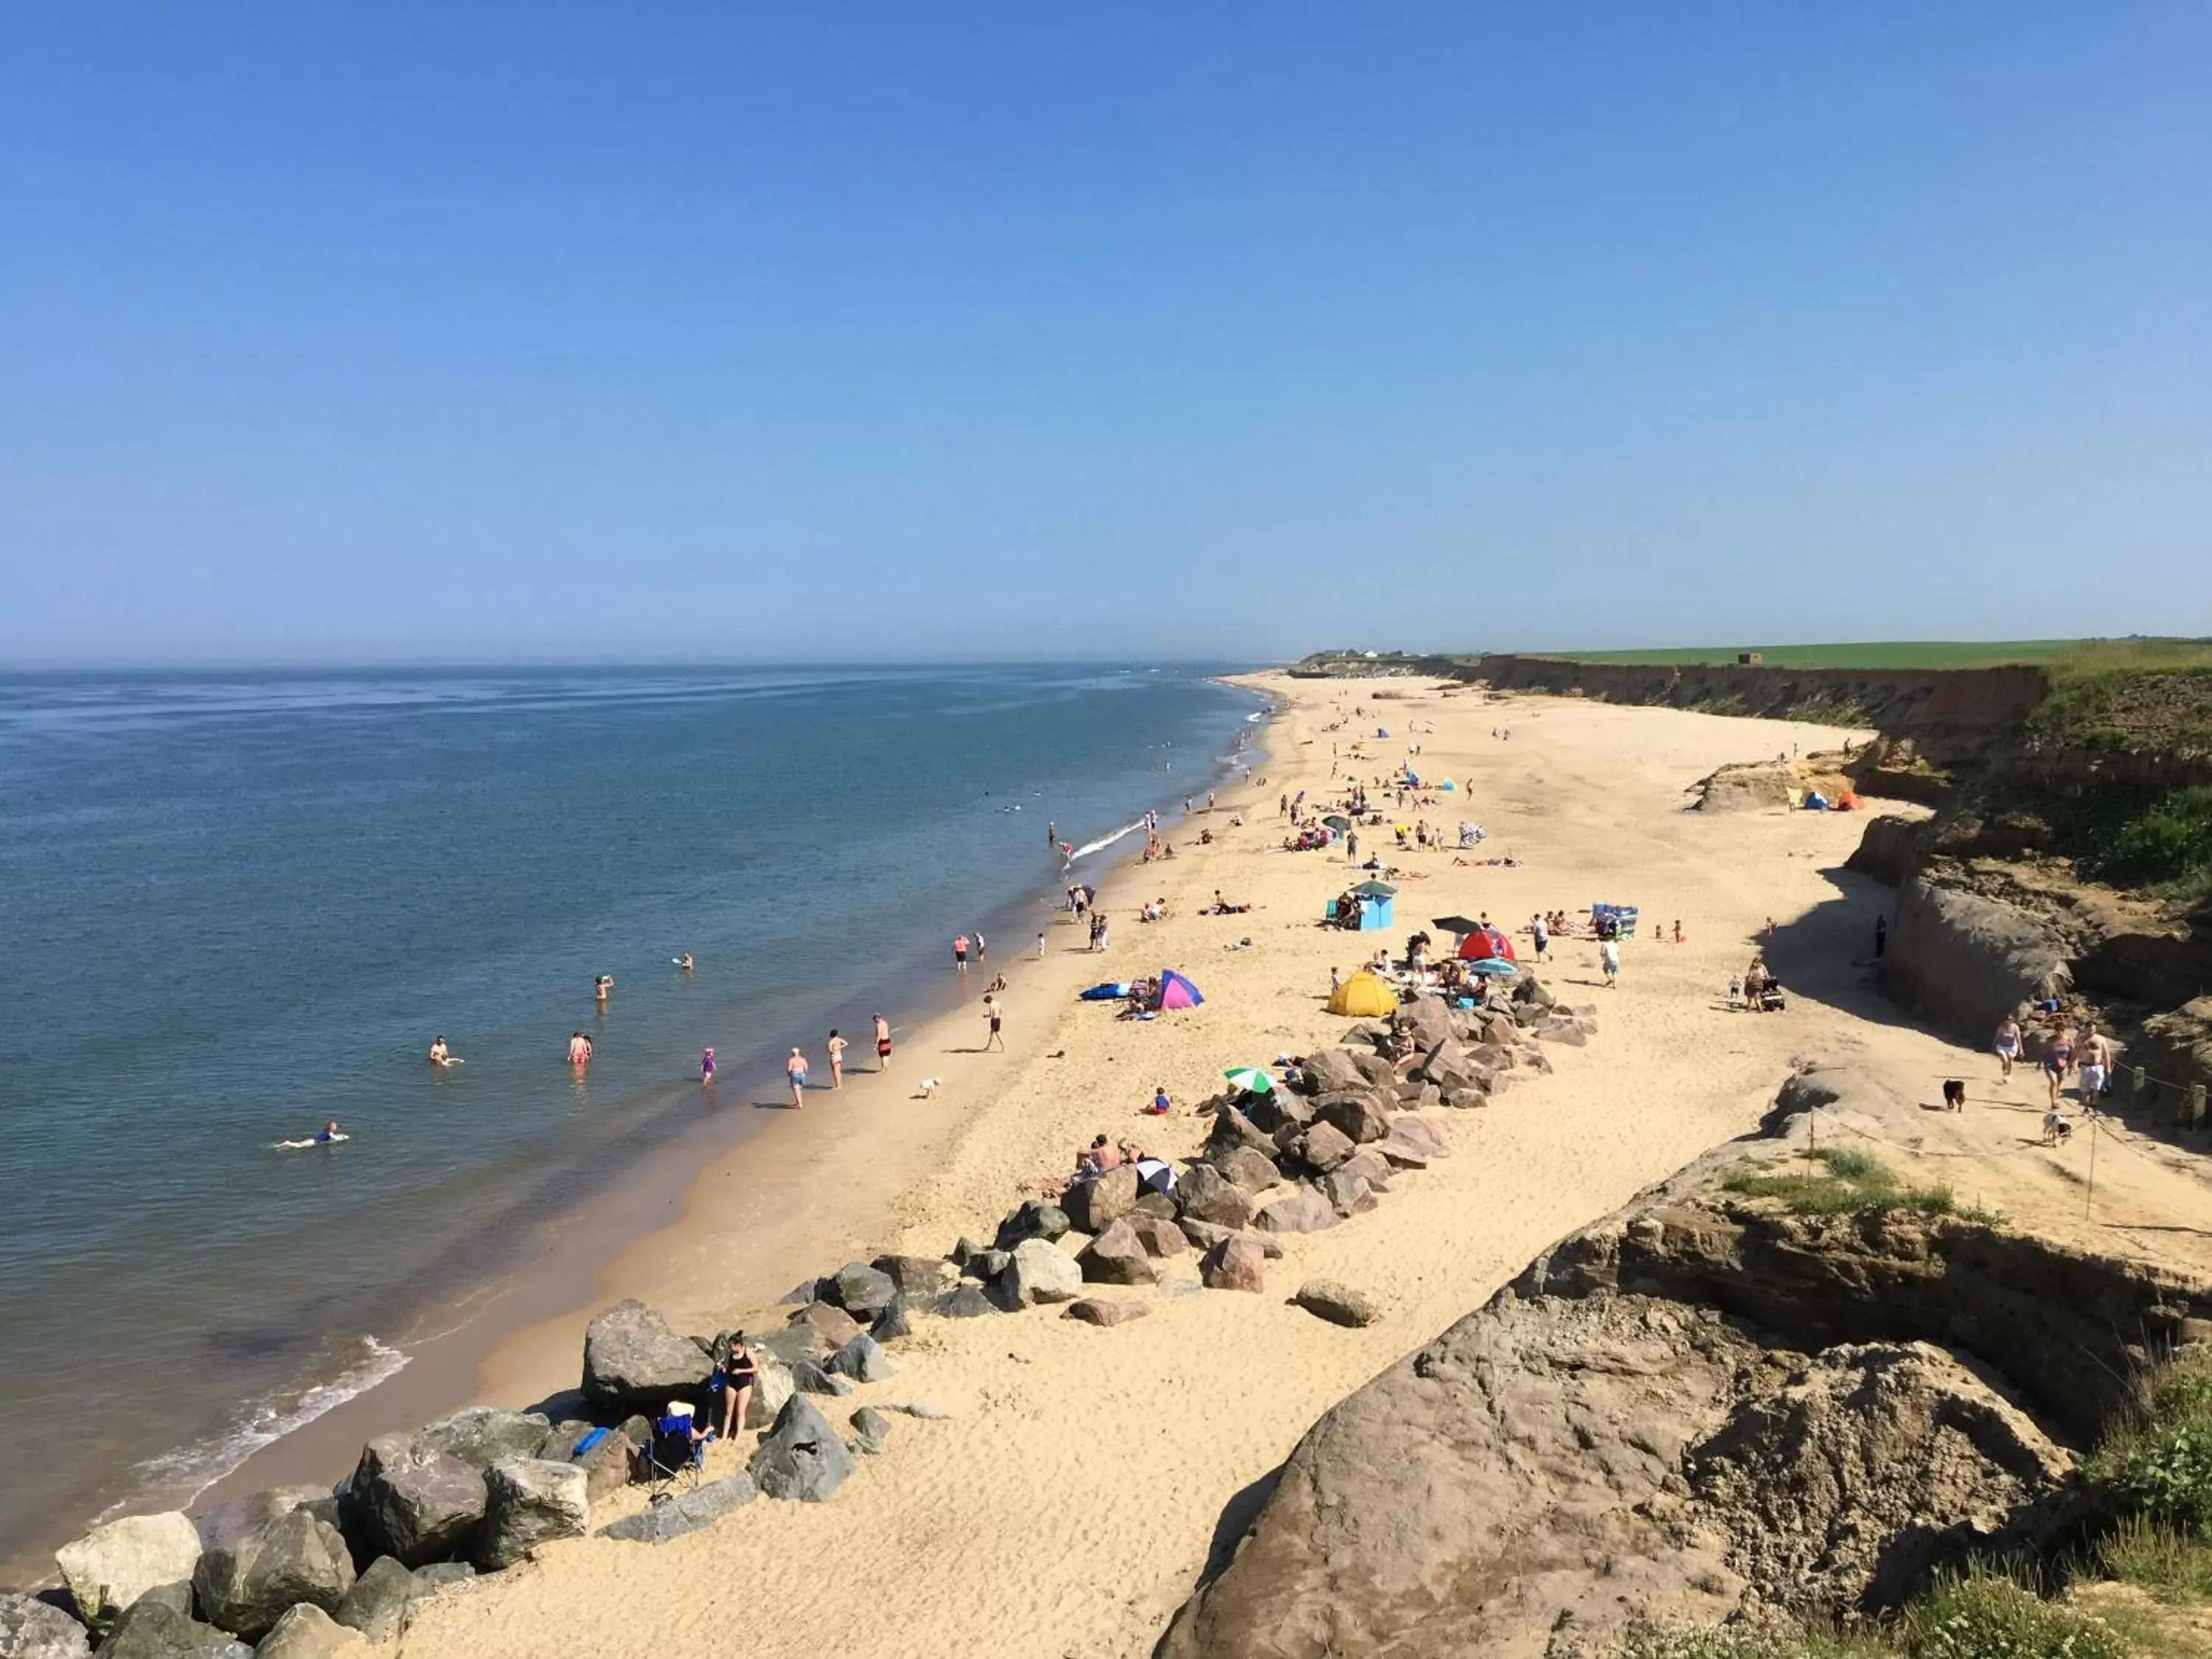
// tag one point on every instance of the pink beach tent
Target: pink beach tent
(1176, 991)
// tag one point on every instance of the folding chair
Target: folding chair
(672, 1455)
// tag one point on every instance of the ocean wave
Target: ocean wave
(179, 1476)
(1105, 841)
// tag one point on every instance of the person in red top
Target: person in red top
(960, 952)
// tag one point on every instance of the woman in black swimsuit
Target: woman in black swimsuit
(739, 1373)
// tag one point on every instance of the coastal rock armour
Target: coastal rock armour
(861, 1290)
(528, 1502)
(1117, 1256)
(1235, 1264)
(1208, 1194)
(1106, 1311)
(1339, 1305)
(801, 1458)
(306, 1631)
(686, 1512)
(919, 1276)
(1037, 1273)
(863, 1359)
(482, 1435)
(410, 1501)
(870, 1429)
(378, 1604)
(634, 1361)
(1093, 1205)
(1303, 1209)
(151, 1629)
(32, 1629)
(110, 1567)
(245, 1584)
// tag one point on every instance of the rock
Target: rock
(966, 1303)
(1232, 1129)
(633, 1361)
(1339, 1305)
(1234, 1264)
(1347, 1192)
(245, 1585)
(984, 1266)
(153, 1630)
(1159, 1236)
(1451, 1064)
(801, 1458)
(833, 1328)
(1278, 1109)
(1966, 960)
(891, 1323)
(529, 1501)
(1161, 1206)
(1303, 1209)
(1537, 1060)
(110, 1567)
(1093, 1205)
(1106, 1310)
(1412, 1141)
(1180, 1287)
(807, 1378)
(1248, 1167)
(1426, 1020)
(1466, 1100)
(963, 1250)
(411, 1501)
(863, 1359)
(1117, 1256)
(919, 1276)
(773, 1385)
(32, 1629)
(306, 1631)
(927, 1410)
(439, 1574)
(1360, 1117)
(786, 1344)
(1034, 1219)
(1039, 1271)
(482, 1435)
(1208, 1194)
(686, 1512)
(1561, 1030)
(806, 1291)
(1329, 1071)
(1204, 1236)
(377, 1606)
(1370, 1166)
(1375, 1072)
(861, 1290)
(873, 1428)
(1322, 1147)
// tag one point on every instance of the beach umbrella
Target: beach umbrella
(1250, 1079)
(1337, 821)
(1456, 925)
(1494, 967)
(1375, 890)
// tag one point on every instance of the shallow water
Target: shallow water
(235, 906)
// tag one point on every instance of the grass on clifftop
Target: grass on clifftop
(1844, 1181)
(2134, 656)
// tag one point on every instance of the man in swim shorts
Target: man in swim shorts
(991, 1012)
(2096, 1066)
(795, 1069)
(438, 1055)
(882, 1043)
(960, 952)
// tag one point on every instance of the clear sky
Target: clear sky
(414, 330)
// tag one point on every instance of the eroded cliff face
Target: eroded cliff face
(1701, 1405)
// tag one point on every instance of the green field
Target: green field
(2138, 655)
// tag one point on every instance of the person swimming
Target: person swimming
(329, 1135)
(440, 1055)
(683, 962)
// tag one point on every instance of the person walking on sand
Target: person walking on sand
(2057, 1060)
(960, 951)
(1540, 935)
(2096, 1066)
(1608, 957)
(882, 1043)
(991, 1013)
(837, 1046)
(2006, 1044)
(707, 1068)
(1040, 947)
(795, 1070)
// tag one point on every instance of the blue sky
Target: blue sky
(411, 331)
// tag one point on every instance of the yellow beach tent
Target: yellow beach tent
(1364, 997)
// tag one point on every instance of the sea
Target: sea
(233, 906)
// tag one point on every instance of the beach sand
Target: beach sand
(1081, 1478)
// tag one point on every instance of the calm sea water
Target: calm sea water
(235, 906)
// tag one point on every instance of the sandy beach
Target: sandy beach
(1074, 1490)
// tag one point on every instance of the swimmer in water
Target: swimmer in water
(438, 1056)
(329, 1135)
(579, 1048)
(683, 962)
(601, 986)
(705, 1066)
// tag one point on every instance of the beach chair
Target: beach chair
(672, 1457)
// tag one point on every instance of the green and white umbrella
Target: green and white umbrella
(1250, 1079)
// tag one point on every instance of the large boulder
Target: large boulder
(306, 1631)
(686, 1512)
(1251, 1169)
(1339, 1305)
(527, 1501)
(1360, 1116)
(1159, 1235)
(110, 1567)
(245, 1585)
(32, 1629)
(1966, 960)
(1204, 1236)
(1094, 1205)
(1426, 1020)
(1206, 1194)
(861, 1290)
(801, 1458)
(235, 1517)
(1232, 1129)
(1303, 1209)
(1039, 1271)
(870, 1429)
(863, 1359)
(1036, 1219)
(829, 1327)
(919, 1277)
(1235, 1264)
(634, 1361)
(773, 1384)
(1348, 1191)
(378, 1604)
(808, 1377)
(482, 1435)
(411, 1501)
(1331, 1070)
(1277, 1109)
(969, 1301)
(1322, 1147)
(1117, 1256)
(1412, 1141)
(1106, 1310)
(891, 1323)
(151, 1629)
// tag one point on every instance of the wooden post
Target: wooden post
(2135, 1085)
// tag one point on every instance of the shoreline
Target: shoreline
(514, 1335)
